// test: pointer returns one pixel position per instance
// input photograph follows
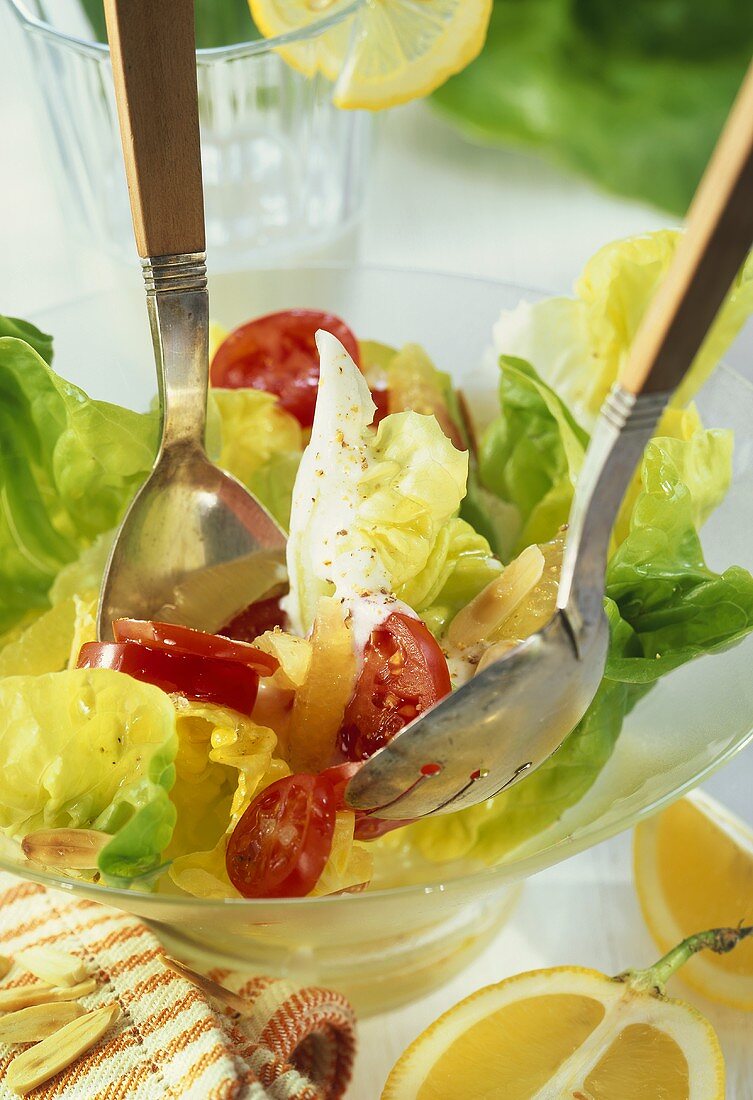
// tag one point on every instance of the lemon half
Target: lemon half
(563, 1032)
(693, 867)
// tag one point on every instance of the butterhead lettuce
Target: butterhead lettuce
(90, 749)
(261, 444)
(68, 467)
(530, 455)
(579, 346)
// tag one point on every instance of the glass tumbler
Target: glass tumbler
(284, 169)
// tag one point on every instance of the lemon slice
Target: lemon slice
(693, 868)
(571, 1032)
(385, 53)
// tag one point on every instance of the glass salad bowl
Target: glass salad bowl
(388, 945)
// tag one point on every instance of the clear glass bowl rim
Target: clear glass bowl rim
(252, 48)
(484, 880)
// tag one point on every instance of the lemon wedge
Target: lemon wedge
(384, 53)
(693, 867)
(571, 1033)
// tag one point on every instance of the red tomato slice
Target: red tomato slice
(279, 847)
(257, 619)
(381, 399)
(227, 683)
(404, 673)
(367, 826)
(277, 353)
(182, 639)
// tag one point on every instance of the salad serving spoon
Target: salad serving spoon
(195, 547)
(515, 713)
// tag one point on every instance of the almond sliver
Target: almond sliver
(30, 1025)
(41, 1062)
(495, 603)
(207, 985)
(5, 965)
(54, 967)
(11, 1000)
(75, 849)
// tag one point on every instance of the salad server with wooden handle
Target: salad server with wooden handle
(514, 714)
(195, 547)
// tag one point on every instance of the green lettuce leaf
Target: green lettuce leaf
(260, 444)
(415, 384)
(580, 345)
(531, 454)
(632, 95)
(24, 330)
(671, 606)
(68, 467)
(90, 749)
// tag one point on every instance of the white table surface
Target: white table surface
(436, 202)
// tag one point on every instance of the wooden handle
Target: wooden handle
(718, 236)
(153, 53)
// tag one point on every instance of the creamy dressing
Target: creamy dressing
(462, 666)
(366, 613)
(327, 542)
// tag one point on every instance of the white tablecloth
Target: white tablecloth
(436, 202)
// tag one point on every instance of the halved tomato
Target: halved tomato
(280, 846)
(256, 619)
(368, 826)
(277, 353)
(227, 683)
(404, 673)
(183, 639)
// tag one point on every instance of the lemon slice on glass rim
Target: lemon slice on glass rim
(693, 867)
(381, 52)
(571, 1032)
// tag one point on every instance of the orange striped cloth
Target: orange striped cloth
(170, 1042)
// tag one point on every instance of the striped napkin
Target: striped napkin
(172, 1040)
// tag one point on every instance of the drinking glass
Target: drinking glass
(284, 169)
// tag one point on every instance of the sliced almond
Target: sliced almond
(11, 1000)
(5, 965)
(494, 653)
(54, 967)
(207, 985)
(30, 1025)
(77, 849)
(487, 612)
(41, 1062)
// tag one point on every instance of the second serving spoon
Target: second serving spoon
(514, 714)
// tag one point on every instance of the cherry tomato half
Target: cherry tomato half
(197, 643)
(404, 673)
(257, 619)
(367, 825)
(279, 847)
(381, 398)
(227, 683)
(277, 353)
